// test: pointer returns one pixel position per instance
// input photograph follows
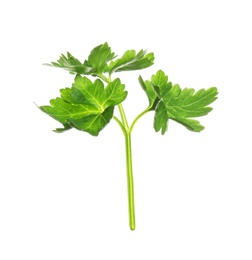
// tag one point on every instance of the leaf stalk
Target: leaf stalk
(130, 182)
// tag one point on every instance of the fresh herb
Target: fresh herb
(89, 105)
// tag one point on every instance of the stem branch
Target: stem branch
(123, 116)
(136, 119)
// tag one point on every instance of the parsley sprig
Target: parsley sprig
(89, 105)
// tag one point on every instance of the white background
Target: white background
(63, 196)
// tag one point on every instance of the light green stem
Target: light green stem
(136, 119)
(123, 116)
(130, 181)
(127, 134)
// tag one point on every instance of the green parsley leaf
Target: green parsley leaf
(131, 61)
(150, 92)
(99, 57)
(171, 102)
(73, 65)
(161, 117)
(93, 124)
(160, 83)
(62, 111)
(87, 106)
(61, 130)
(180, 105)
(98, 61)
(94, 65)
(96, 95)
